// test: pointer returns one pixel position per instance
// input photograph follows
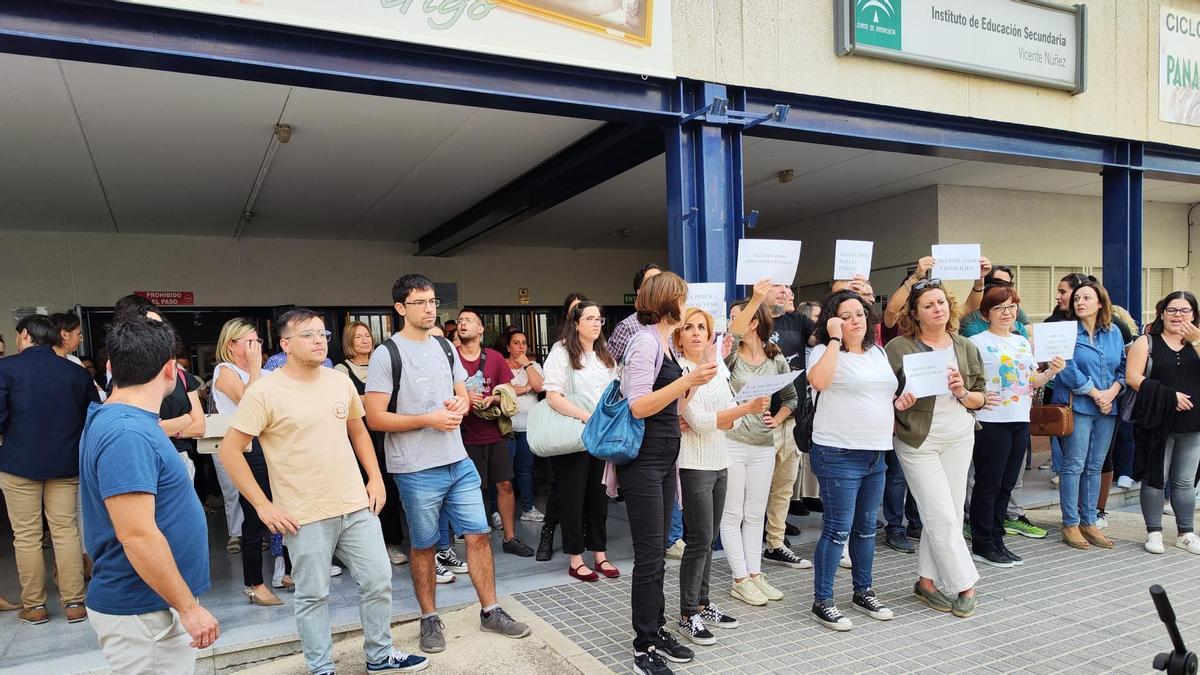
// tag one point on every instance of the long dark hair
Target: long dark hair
(1156, 328)
(571, 338)
(567, 301)
(829, 309)
(1104, 315)
(766, 327)
(505, 339)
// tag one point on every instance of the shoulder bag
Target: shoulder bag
(551, 433)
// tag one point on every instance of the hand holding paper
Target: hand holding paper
(852, 259)
(764, 385)
(925, 373)
(956, 262)
(1054, 339)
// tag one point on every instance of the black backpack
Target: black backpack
(398, 365)
(803, 430)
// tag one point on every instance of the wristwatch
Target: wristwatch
(1195, 343)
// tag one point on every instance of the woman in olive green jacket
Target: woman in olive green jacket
(935, 436)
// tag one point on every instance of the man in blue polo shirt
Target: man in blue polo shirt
(142, 521)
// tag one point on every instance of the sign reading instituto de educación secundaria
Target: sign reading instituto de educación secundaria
(1030, 41)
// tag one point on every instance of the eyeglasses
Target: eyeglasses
(466, 322)
(312, 335)
(598, 320)
(1007, 309)
(1178, 311)
(422, 304)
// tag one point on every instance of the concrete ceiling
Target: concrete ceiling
(100, 148)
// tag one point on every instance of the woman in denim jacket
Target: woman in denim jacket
(1091, 383)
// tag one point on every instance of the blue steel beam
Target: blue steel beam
(704, 191)
(836, 122)
(144, 37)
(605, 153)
(1171, 163)
(1122, 232)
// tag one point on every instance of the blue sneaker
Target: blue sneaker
(399, 662)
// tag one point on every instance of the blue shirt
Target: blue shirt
(1099, 361)
(122, 451)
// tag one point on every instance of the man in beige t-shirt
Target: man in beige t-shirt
(309, 421)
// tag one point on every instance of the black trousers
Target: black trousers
(254, 533)
(648, 485)
(582, 502)
(999, 458)
(391, 517)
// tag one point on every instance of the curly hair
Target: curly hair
(829, 310)
(908, 325)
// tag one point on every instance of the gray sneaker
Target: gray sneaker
(432, 639)
(501, 622)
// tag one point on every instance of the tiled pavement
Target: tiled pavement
(1063, 611)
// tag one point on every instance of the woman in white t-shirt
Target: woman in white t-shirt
(852, 432)
(580, 364)
(527, 382)
(1000, 445)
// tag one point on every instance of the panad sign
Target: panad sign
(632, 36)
(168, 298)
(1179, 66)
(1031, 41)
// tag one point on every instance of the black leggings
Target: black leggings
(254, 533)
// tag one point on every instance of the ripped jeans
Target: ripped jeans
(852, 484)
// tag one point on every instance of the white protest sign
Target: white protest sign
(925, 373)
(956, 262)
(710, 297)
(776, 259)
(1054, 339)
(765, 385)
(852, 258)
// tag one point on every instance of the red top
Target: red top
(475, 430)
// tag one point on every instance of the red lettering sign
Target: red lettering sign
(169, 298)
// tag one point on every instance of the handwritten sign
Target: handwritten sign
(710, 297)
(925, 373)
(956, 262)
(765, 385)
(1054, 339)
(776, 259)
(852, 258)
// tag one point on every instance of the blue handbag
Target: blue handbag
(612, 433)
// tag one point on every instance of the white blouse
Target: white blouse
(702, 448)
(590, 381)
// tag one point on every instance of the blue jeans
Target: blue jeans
(522, 461)
(898, 504)
(852, 484)
(439, 496)
(357, 540)
(1083, 458)
(1123, 450)
(676, 525)
(1056, 455)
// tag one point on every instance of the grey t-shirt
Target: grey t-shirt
(425, 384)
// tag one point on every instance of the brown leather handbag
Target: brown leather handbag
(1052, 420)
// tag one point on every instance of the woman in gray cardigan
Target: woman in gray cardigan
(935, 436)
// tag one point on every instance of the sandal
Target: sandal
(234, 545)
(590, 576)
(611, 573)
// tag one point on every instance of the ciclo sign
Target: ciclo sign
(1179, 66)
(1030, 41)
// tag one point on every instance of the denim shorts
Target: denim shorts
(454, 488)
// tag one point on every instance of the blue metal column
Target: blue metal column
(1122, 233)
(704, 189)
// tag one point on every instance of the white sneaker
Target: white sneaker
(442, 575)
(676, 550)
(277, 576)
(1054, 480)
(533, 516)
(748, 592)
(335, 571)
(845, 563)
(396, 555)
(1189, 542)
(768, 591)
(497, 523)
(1168, 510)
(1125, 482)
(1154, 543)
(1101, 522)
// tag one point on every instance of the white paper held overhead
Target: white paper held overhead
(775, 259)
(956, 262)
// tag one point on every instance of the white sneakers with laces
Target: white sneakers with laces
(1154, 543)
(1189, 542)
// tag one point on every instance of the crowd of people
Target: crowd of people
(430, 438)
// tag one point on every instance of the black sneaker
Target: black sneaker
(1016, 559)
(797, 508)
(650, 662)
(814, 504)
(868, 604)
(785, 557)
(693, 629)
(899, 542)
(517, 547)
(913, 532)
(451, 561)
(670, 649)
(715, 617)
(545, 549)
(791, 530)
(993, 558)
(827, 614)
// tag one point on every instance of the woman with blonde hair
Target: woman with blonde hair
(935, 436)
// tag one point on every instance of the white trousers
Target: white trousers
(229, 493)
(154, 643)
(749, 486)
(937, 478)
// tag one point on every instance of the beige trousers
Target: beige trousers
(27, 500)
(154, 643)
(787, 465)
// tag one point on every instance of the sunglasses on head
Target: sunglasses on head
(927, 283)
